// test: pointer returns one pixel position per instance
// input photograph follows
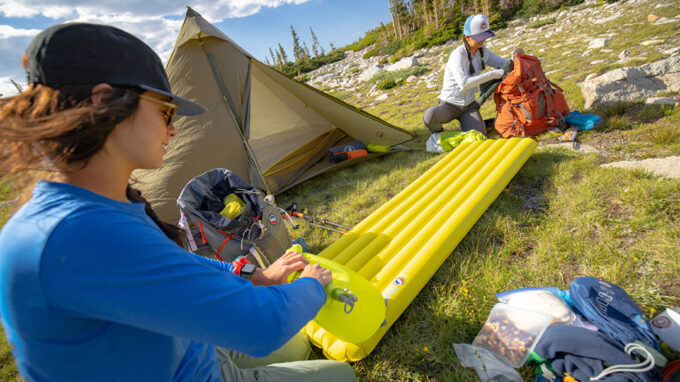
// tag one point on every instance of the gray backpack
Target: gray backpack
(258, 233)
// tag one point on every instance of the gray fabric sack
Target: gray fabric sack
(210, 234)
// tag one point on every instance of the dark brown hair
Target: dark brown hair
(57, 129)
(469, 56)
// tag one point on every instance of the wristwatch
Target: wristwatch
(247, 270)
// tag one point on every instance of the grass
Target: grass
(541, 22)
(562, 216)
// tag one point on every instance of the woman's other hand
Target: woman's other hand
(318, 272)
(497, 73)
(278, 272)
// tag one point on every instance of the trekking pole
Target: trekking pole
(288, 219)
(317, 222)
(294, 212)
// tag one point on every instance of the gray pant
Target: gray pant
(444, 112)
(285, 364)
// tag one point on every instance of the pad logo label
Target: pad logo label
(661, 322)
(273, 219)
(393, 287)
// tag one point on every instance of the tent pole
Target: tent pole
(231, 107)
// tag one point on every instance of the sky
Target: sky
(256, 25)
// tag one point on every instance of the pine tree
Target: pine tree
(316, 47)
(332, 47)
(306, 56)
(282, 53)
(279, 61)
(272, 55)
(16, 85)
(298, 53)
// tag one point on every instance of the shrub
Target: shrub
(292, 69)
(497, 22)
(371, 52)
(610, 110)
(391, 48)
(536, 7)
(655, 111)
(385, 84)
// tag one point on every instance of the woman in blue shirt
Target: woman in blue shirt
(92, 285)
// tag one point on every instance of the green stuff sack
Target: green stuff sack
(233, 206)
(448, 140)
(378, 148)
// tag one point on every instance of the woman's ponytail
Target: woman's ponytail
(170, 230)
(469, 56)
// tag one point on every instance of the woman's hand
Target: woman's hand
(278, 272)
(318, 272)
(497, 74)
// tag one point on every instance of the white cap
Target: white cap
(477, 27)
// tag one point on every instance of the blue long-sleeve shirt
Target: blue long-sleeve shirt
(91, 289)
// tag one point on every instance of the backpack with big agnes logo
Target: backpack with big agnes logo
(527, 103)
(254, 229)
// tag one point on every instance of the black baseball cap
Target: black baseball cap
(89, 54)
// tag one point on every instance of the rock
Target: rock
(623, 54)
(411, 78)
(574, 146)
(404, 63)
(652, 18)
(632, 83)
(586, 53)
(595, 62)
(368, 73)
(665, 20)
(668, 167)
(326, 77)
(598, 43)
(671, 51)
(651, 42)
(382, 97)
(606, 19)
(660, 101)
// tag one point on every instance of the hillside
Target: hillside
(573, 43)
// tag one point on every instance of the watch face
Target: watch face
(248, 269)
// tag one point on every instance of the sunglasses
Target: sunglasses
(168, 113)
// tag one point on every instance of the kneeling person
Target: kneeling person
(462, 78)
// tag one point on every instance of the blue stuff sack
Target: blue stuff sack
(585, 121)
(612, 310)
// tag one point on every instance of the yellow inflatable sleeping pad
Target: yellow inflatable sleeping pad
(402, 244)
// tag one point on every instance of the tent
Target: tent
(272, 131)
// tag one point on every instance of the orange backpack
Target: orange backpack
(526, 102)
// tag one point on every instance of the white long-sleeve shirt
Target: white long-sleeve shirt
(460, 85)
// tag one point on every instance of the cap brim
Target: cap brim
(483, 36)
(185, 107)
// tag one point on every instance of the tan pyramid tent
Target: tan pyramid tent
(272, 131)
